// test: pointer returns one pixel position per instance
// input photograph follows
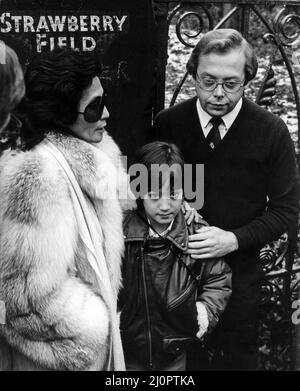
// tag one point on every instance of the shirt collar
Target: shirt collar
(153, 234)
(228, 118)
(136, 229)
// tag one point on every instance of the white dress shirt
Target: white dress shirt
(228, 119)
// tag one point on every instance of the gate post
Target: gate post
(162, 29)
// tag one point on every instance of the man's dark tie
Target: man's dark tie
(213, 138)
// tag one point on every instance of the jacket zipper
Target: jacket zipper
(147, 309)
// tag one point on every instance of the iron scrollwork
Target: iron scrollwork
(283, 27)
(281, 38)
(273, 255)
(190, 26)
(271, 291)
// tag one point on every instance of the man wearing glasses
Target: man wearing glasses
(251, 192)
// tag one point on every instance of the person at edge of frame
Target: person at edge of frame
(251, 189)
(11, 92)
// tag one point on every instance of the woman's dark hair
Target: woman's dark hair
(222, 41)
(157, 152)
(54, 85)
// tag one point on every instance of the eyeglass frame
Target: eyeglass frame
(241, 83)
(102, 104)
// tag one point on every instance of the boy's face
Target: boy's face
(163, 206)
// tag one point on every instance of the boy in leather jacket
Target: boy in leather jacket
(168, 299)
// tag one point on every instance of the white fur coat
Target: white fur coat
(55, 316)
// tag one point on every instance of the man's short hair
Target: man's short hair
(12, 87)
(223, 41)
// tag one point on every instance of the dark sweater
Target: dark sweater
(255, 160)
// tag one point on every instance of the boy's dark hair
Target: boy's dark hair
(157, 152)
(54, 84)
(222, 41)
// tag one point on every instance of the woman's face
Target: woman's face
(91, 132)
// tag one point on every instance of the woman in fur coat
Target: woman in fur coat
(61, 235)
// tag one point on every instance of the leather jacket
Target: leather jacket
(160, 288)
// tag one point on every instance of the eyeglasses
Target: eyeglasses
(208, 84)
(94, 110)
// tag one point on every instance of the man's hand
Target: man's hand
(211, 242)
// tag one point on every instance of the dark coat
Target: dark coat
(159, 315)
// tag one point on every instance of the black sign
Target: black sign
(121, 32)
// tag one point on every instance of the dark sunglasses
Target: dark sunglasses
(94, 110)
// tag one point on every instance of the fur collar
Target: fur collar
(94, 165)
(98, 169)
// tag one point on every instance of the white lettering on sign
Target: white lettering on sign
(44, 41)
(17, 20)
(48, 27)
(43, 25)
(73, 23)
(83, 23)
(28, 24)
(107, 23)
(62, 41)
(88, 44)
(120, 21)
(60, 23)
(72, 42)
(57, 23)
(95, 23)
(40, 42)
(6, 25)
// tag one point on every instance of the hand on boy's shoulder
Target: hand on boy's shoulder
(211, 242)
